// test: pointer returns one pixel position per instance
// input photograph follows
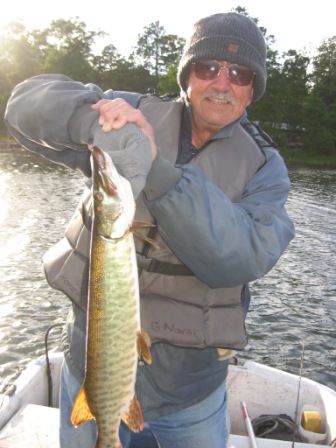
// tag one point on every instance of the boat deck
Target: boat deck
(36, 426)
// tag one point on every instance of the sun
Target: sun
(26, 12)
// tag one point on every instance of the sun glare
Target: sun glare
(3, 202)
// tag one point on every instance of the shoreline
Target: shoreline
(291, 162)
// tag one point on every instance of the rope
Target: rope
(267, 424)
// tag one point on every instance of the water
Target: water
(294, 306)
(295, 302)
(37, 200)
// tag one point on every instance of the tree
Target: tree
(19, 54)
(294, 99)
(269, 110)
(112, 71)
(157, 51)
(324, 72)
(320, 125)
(167, 84)
(107, 60)
(296, 82)
(69, 49)
(19, 59)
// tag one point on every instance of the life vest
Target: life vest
(178, 309)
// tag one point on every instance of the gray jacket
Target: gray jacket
(226, 239)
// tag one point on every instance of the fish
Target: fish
(115, 341)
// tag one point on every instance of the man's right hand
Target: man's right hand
(114, 114)
(130, 150)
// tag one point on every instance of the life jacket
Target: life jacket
(176, 307)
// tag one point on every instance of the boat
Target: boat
(279, 404)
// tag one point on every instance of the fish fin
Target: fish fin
(81, 412)
(225, 353)
(142, 224)
(143, 346)
(133, 418)
(143, 237)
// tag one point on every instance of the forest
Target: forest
(298, 109)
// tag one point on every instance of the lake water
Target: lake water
(294, 303)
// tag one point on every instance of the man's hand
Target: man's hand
(114, 114)
(125, 134)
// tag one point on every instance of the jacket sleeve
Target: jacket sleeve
(225, 243)
(52, 115)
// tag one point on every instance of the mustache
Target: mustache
(219, 96)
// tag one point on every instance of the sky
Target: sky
(295, 24)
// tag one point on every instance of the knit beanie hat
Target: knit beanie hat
(230, 37)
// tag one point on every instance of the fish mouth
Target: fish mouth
(107, 184)
(105, 178)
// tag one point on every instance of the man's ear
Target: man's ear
(251, 97)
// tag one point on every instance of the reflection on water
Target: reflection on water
(295, 302)
(37, 200)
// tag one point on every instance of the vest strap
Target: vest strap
(161, 267)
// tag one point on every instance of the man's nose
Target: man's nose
(222, 80)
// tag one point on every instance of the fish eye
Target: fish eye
(98, 196)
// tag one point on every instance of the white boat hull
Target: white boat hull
(27, 421)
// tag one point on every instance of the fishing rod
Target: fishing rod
(298, 395)
(58, 323)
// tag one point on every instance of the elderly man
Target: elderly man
(215, 188)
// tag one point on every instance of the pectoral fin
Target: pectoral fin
(143, 347)
(142, 225)
(133, 418)
(81, 412)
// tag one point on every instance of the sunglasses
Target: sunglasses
(208, 70)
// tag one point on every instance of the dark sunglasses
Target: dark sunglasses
(237, 74)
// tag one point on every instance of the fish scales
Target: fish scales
(112, 355)
(113, 310)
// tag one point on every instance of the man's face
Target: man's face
(216, 102)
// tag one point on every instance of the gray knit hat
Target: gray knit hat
(228, 37)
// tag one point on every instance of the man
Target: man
(215, 188)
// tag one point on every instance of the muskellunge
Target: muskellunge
(114, 337)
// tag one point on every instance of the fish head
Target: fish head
(114, 205)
